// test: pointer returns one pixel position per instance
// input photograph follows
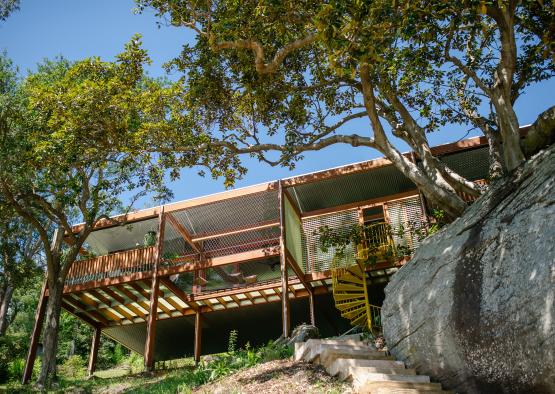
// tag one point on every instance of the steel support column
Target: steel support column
(198, 336)
(35, 336)
(94, 351)
(154, 290)
(311, 308)
(285, 312)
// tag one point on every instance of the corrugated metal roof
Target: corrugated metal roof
(252, 209)
(347, 189)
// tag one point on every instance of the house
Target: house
(173, 280)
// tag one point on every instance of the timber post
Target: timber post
(154, 290)
(311, 308)
(94, 351)
(35, 336)
(286, 323)
(198, 336)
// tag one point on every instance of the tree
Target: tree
(20, 261)
(71, 143)
(7, 7)
(291, 77)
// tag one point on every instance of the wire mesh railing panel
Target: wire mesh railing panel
(407, 219)
(242, 242)
(293, 233)
(175, 250)
(184, 281)
(235, 213)
(314, 259)
(243, 275)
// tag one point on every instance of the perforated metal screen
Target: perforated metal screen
(293, 234)
(314, 259)
(472, 164)
(405, 217)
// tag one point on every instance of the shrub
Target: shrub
(15, 369)
(274, 351)
(73, 367)
(12, 347)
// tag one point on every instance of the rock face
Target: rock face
(474, 308)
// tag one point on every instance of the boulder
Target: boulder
(303, 333)
(474, 307)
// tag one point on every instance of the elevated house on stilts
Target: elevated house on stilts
(174, 280)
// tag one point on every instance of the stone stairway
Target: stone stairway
(370, 370)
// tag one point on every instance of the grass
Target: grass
(179, 376)
(118, 379)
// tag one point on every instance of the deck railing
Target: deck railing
(112, 265)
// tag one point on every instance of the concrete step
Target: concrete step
(328, 356)
(385, 390)
(344, 363)
(400, 388)
(352, 372)
(356, 337)
(302, 349)
(362, 379)
(316, 351)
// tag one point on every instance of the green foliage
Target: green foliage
(274, 351)
(73, 139)
(73, 367)
(232, 343)
(7, 7)
(75, 339)
(150, 239)
(12, 348)
(339, 239)
(183, 376)
(439, 221)
(235, 359)
(278, 79)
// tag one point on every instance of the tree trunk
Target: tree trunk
(502, 89)
(510, 132)
(496, 167)
(50, 335)
(4, 306)
(440, 193)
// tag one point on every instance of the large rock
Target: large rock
(303, 333)
(474, 308)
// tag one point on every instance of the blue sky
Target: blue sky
(78, 29)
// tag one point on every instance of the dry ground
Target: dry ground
(279, 376)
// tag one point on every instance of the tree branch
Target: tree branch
(260, 61)
(31, 219)
(464, 68)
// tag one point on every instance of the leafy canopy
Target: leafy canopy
(293, 76)
(74, 139)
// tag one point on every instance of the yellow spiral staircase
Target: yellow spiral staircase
(349, 278)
